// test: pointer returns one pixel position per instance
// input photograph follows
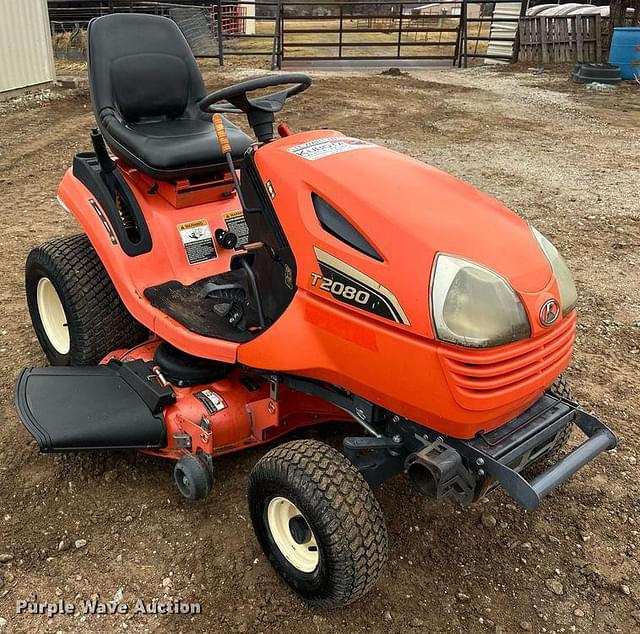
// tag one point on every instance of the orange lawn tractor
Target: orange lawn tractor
(225, 292)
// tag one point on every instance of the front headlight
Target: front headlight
(473, 306)
(566, 285)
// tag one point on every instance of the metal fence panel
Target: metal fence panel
(369, 32)
(296, 32)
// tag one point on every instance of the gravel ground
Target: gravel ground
(112, 525)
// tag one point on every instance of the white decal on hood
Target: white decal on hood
(319, 148)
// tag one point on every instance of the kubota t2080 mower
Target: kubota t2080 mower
(227, 291)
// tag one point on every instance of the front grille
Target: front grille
(485, 379)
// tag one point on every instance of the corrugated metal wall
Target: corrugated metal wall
(26, 56)
(503, 30)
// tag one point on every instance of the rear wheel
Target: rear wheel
(76, 312)
(318, 522)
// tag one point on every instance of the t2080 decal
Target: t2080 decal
(350, 286)
(339, 289)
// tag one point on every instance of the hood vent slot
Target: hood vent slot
(339, 227)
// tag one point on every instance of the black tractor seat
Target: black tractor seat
(145, 87)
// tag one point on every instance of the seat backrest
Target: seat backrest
(141, 66)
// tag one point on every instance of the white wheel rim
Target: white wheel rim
(304, 556)
(52, 316)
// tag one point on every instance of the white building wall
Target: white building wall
(250, 12)
(26, 53)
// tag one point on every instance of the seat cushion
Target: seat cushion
(145, 87)
(173, 148)
(149, 85)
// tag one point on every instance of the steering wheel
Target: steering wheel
(235, 101)
(259, 110)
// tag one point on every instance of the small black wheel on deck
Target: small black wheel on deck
(76, 312)
(193, 478)
(318, 522)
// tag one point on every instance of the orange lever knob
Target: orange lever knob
(221, 133)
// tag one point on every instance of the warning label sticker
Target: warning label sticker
(320, 148)
(237, 224)
(212, 401)
(197, 240)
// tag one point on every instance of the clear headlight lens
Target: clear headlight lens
(473, 306)
(568, 293)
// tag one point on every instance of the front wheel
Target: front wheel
(560, 388)
(318, 522)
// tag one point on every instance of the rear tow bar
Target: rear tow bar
(503, 453)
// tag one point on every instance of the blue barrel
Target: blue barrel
(625, 50)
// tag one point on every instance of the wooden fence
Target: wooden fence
(556, 40)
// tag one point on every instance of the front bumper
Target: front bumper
(466, 469)
(504, 453)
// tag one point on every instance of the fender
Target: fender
(165, 260)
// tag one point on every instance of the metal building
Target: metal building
(26, 55)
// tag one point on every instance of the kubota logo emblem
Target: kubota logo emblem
(549, 312)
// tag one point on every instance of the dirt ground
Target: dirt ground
(564, 158)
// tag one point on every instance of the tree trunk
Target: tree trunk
(616, 18)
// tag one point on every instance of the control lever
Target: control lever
(107, 164)
(225, 146)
